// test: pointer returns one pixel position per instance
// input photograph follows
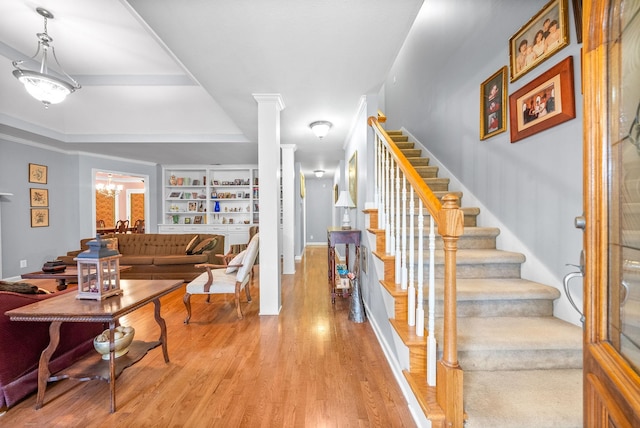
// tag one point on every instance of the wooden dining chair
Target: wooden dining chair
(122, 226)
(138, 226)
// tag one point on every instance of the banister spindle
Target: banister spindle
(387, 202)
(397, 228)
(431, 339)
(403, 234)
(411, 292)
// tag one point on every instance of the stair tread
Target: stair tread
(504, 398)
(501, 289)
(508, 333)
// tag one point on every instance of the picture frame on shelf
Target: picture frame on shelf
(38, 173)
(175, 195)
(493, 104)
(546, 101)
(539, 39)
(39, 217)
(39, 197)
(187, 220)
(197, 219)
(192, 207)
(239, 195)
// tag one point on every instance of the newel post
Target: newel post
(449, 374)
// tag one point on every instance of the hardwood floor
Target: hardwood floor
(308, 367)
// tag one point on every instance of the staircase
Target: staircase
(522, 366)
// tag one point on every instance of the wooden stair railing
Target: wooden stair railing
(393, 168)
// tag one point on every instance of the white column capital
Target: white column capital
(273, 98)
(291, 147)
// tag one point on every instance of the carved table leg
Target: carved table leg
(163, 329)
(112, 365)
(43, 365)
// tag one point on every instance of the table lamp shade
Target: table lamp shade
(344, 200)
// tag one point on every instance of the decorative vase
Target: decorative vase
(176, 219)
(356, 309)
(173, 181)
(180, 181)
(216, 208)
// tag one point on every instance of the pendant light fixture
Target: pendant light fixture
(41, 85)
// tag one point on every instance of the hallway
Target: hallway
(310, 367)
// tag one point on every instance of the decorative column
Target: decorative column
(269, 108)
(288, 208)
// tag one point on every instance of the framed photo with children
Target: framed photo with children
(539, 39)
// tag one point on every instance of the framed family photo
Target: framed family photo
(39, 197)
(539, 39)
(493, 104)
(547, 101)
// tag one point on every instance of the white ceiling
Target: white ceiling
(170, 81)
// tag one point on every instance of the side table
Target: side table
(337, 235)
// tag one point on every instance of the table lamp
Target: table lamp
(344, 200)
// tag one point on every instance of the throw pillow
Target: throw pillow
(18, 287)
(191, 245)
(237, 260)
(205, 245)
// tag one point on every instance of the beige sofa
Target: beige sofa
(160, 256)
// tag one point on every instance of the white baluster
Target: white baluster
(420, 302)
(411, 292)
(403, 234)
(397, 229)
(387, 184)
(392, 204)
(431, 340)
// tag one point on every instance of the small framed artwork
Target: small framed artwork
(239, 195)
(365, 259)
(539, 39)
(302, 186)
(37, 173)
(545, 102)
(187, 220)
(39, 197)
(335, 193)
(353, 178)
(175, 195)
(197, 219)
(193, 206)
(493, 104)
(39, 217)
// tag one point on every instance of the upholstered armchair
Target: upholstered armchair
(225, 279)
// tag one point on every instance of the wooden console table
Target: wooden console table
(66, 308)
(336, 235)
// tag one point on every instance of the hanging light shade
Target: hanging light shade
(41, 85)
(109, 189)
(319, 173)
(320, 128)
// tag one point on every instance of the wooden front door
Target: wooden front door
(611, 82)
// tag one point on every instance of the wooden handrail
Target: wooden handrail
(431, 202)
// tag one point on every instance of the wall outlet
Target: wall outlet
(311, 237)
(23, 263)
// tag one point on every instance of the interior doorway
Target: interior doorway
(119, 196)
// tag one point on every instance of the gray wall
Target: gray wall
(319, 204)
(533, 186)
(70, 199)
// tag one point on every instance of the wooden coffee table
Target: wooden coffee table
(69, 274)
(66, 308)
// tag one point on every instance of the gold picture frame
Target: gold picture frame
(493, 104)
(302, 186)
(37, 173)
(353, 178)
(538, 40)
(335, 193)
(39, 217)
(39, 197)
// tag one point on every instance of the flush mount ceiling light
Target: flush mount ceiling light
(320, 127)
(39, 84)
(319, 172)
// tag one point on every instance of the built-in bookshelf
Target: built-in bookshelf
(210, 199)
